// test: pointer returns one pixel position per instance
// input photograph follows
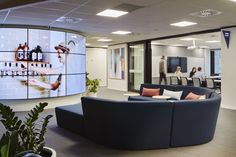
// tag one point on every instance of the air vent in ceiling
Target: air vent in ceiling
(206, 13)
(127, 7)
(69, 19)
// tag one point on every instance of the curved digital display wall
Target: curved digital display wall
(41, 63)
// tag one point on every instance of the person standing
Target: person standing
(193, 71)
(200, 74)
(162, 70)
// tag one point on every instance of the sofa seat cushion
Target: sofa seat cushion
(70, 117)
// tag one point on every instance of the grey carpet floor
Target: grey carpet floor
(68, 144)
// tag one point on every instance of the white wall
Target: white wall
(96, 64)
(119, 84)
(195, 58)
(228, 84)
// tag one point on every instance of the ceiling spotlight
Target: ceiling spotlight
(69, 19)
(188, 39)
(213, 41)
(178, 45)
(183, 24)
(121, 32)
(112, 13)
(104, 40)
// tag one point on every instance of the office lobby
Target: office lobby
(51, 49)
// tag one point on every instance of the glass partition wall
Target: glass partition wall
(136, 66)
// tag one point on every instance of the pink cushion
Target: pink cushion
(192, 96)
(151, 91)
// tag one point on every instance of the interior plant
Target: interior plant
(92, 85)
(23, 137)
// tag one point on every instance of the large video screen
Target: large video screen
(173, 62)
(41, 63)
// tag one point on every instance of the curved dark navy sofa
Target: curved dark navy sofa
(148, 124)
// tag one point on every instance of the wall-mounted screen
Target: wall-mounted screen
(173, 62)
(41, 63)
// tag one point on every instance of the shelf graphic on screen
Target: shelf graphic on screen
(45, 66)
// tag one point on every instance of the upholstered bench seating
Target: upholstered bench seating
(148, 124)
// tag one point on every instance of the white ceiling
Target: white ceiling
(151, 21)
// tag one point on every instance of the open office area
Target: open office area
(117, 78)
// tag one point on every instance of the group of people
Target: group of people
(195, 72)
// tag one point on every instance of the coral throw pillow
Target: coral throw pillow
(192, 96)
(151, 92)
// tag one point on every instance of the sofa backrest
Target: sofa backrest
(162, 87)
(194, 122)
(128, 124)
(186, 89)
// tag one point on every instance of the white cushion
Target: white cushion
(202, 97)
(173, 94)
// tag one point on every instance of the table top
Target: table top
(215, 77)
(131, 94)
(217, 81)
(161, 97)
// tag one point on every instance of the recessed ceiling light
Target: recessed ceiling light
(73, 36)
(233, 0)
(121, 32)
(188, 39)
(69, 19)
(97, 37)
(204, 47)
(213, 41)
(112, 13)
(183, 24)
(177, 45)
(87, 44)
(104, 40)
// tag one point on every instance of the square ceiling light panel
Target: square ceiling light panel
(183, 24)
(121, 32)
(213, 41)
(104, 40)
(112, 13)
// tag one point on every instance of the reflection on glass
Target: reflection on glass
(136, 66)
(217, 59)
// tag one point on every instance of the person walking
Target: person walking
(162, 70)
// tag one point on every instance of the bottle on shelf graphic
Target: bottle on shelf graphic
(26, 52)
(20, 53)
(33, 55)
(39, 53)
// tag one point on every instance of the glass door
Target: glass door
(136, 66)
